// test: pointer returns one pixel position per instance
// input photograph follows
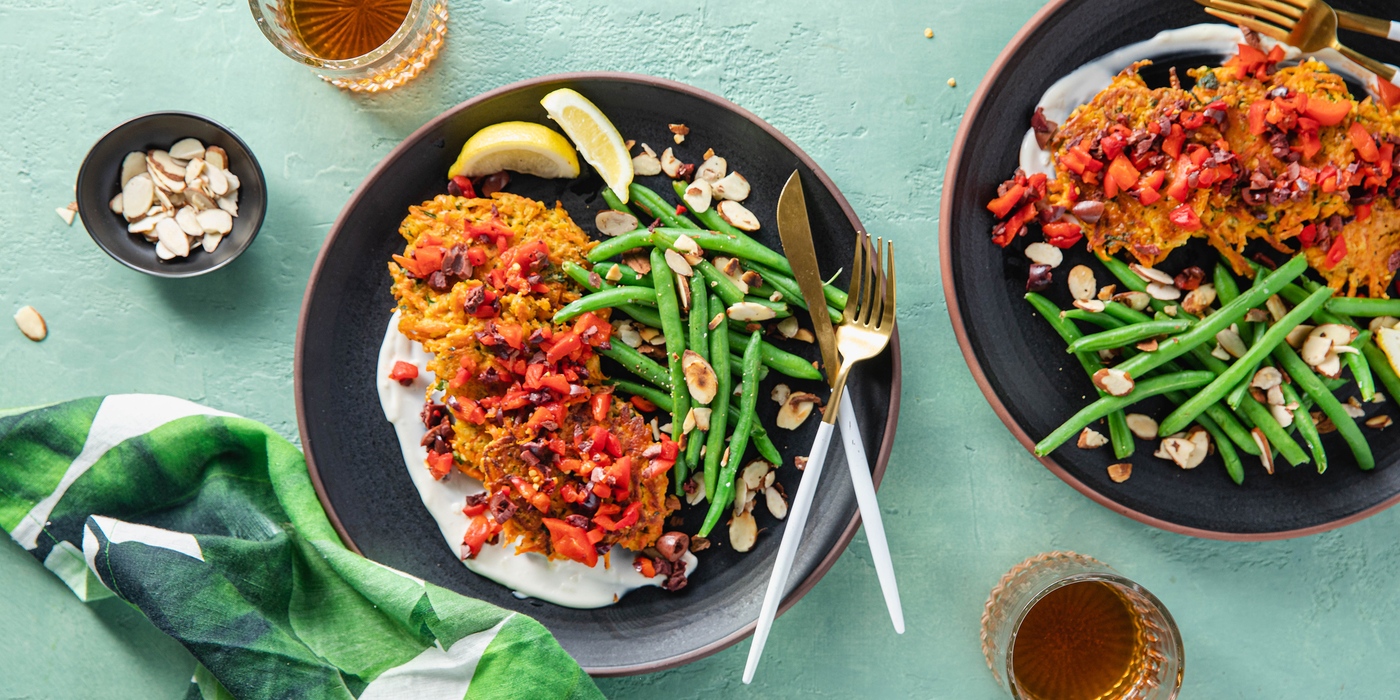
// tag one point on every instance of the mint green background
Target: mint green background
(858, 87)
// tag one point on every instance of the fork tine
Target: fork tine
(1302, 5)
(1268, 30)
(848, 316)
(878, 312)
(872, 282)
(1283, 8)
(1254, 8)
(887, 320)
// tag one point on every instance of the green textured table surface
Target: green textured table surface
(858, 87)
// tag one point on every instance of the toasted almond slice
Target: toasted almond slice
(730, 268)
(66, 214)
(1045, 254)
(1230, 339)
(687, 245)
(1274, 396)
(1170, 310)
(712, 170)
(137, 197)
(695, 490)
(1093, 306)
(1199, 299)
(146, 225)
(754, 472)
(1267, 378)
(699, 377)
(678, 264)
(193, 170)
(732, 187)
(1163, 292)
(1200, 441)
(689, 423)
(218, 184)
(737, 215)
(1090, 439)
(210, 241)
(777, 505)
(1316, 348)
(646, 164)
(1276, 307)
(1266, 455)
(1338, 333)
(216, 157)
(1379, 422)
(698, 195)
(1298, 335)
(741, 497)
(165, 204)
(1119, 473)
(1082, 285)
(134, 164)
(670, 164)
(1106, 293)
(743, 530)
(750, 311)
(615, 223)
(780, 394)
(788, 327)
(702, 417)
(116, 204)
(31, 324)
(162, 161)
(215, 221)
(1149, 345)
(1137, 301)
(203, 202)
(187, 149)
(795, 410)
(1152, 274)
(1114, 381)
(188, 220)
(805, 336)
(164, 180)
(162, 252)
(1178, 450)
(233, 182)
(614, 273)
(1331, 367)
(173, 237)
(714, 322)
(1256, 316)
(1142, 426)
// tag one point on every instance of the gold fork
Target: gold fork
(1349, 21)
(864, 332)
(1309, 25)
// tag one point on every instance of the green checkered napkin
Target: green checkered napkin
(208, 523)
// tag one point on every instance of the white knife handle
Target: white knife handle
(787, 550)
(869, 508)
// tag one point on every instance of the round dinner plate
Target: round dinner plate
(1021, 364)
(354, 457)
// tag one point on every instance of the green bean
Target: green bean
(645, 315)
(719, 342)
(1207, 327)
(1256, 415)
(1223, 418)
(1226, 289)
(615, 203)
(720, 283)
(1128, 335)
(669, 309)
(662, 399)
(748, 400)
(1107, 404)
(618, 245)
(1361, 367)
(1380, 366)
(1304, 377)
(789, 289)
(745, 248)
(638, 364)
(1184, 414)
(1102, 320)
(699, 342)
(1302, 419)
(605, 299)
(780, 309)
(782, 361)
(628, 275)
(1118, 433)
(659, 208)
(1357, 362)
(736, 362)
(1354, 306)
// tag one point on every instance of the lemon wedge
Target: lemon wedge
(596, 137)
(1389, 341)
(522, 147)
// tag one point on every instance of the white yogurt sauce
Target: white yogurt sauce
(562, 582)
(1080, 86)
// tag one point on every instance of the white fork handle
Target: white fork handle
(787, 550)
(869, 508)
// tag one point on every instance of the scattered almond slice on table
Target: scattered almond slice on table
(31, 324)
(181, 199)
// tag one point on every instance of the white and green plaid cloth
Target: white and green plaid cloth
(208, 523)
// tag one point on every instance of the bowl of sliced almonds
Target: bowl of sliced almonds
(172, 194)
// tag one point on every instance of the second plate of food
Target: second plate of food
(355, 455)
(1022, 365)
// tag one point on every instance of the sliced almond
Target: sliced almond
(629, 334)
(1093, 306)
(1170, 310)
(1282, 415)
(714, 322)
(1338, 333)
(66, 214)
(164, 180)
(1316, 348)
(737, 215)
(1331, 366)
(670, 164)
(233, 182)
(215, 221)
(1082, 285)
(1266, 453)
(188, 220)
(702, 417)
(31, 324)
(1199, 299)
(1045, 254)
(1119, 473)
(698, 196)
(732, 187)
(193, 170)
(805, 336)
(1379, 422)
(134, 164)
(216, 157)
(210, 241)
(780, 394)
(614, 273)
(615, 223)
(646, 164)
(687, 246)
(699, 377)
(1114, 382)
(741, 496)
(166, 165)
(1163, 292)
(678, 264)
(743, 532)
(777, 505)
(1257, 316)
(795, 410)
(729, 267)
(1298, 335)
(173, 238)
(218, 184)
(1137, 301)
(1152, 274)
(1090, 439)
(1142, 426)
(1276, 307)
(1267, 378)
(712, 170)
(1178, 450)
(1148, 345)
(203, 202)
(695, 490)
(753, 474)
(146, 225)
(750, 311)
(137, 196)
(187, 149)
(1230, 339)
(689, 423)
(1106, 293)
(787, 327)
(162, 252)
(752, 279)
(1200, 441)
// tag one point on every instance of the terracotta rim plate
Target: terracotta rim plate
(1020, 363)
(351, 451)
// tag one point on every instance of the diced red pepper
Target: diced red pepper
(1122, 172)
(562, 345)
(1337, 251)
(1387, 161)
(595, 535)
(404, 372)
(1001, 206)
(569, 541)
(1062, 234)
(555, 382)
(472, 411)
(1308, 235)
(628, 519)
(570, 493)
(1198, 154)
(1185, 217)
(1192, 120)
(644, 566)
(669, 449)
(476, 255)
(1171, 145)
(1110, 188)
(1327, 113)
(528, 491)
(602, 330)
(1180, 188)
(513, 333)
(479, 530)
(1327, 179)
(465, 185)
(429, 260)
(439, 465)
(1312, 143)
(1147, 195)
(533, 374)
(1112, 147)
(1037, 182)
(1257, 124)
(621, 472)
(1389, 92)
(599, 405)
(1365, 145)
(1275, 54)
(1363, 212)
(642, 404)
(475, 509)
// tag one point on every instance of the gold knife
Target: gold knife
(796, 234)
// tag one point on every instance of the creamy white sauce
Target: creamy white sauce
(562, 582)
(1080, 86)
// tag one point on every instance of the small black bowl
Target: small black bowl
(99, 181)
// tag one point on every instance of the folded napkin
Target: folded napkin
(208, 523)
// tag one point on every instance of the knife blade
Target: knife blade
(796, 233)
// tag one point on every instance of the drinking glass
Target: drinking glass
(1156, 671)
(392, 64)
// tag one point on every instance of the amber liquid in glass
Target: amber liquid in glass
(1079, 642)
(342, 29)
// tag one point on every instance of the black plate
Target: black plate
(99, 180)
(1021, 365)
(354, 457)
